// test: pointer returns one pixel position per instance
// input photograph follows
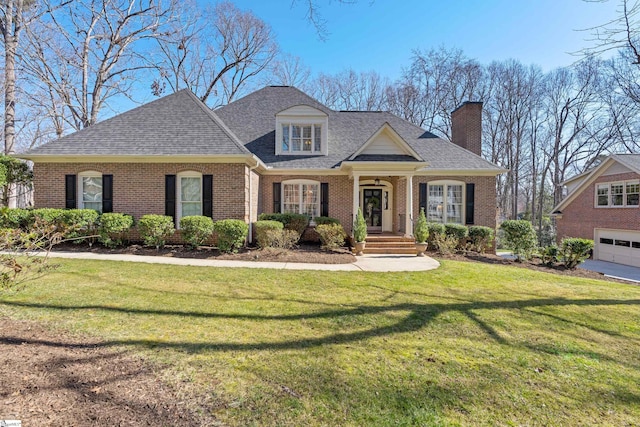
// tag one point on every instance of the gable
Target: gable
(615, 164)
(386, 142)
(302, 111)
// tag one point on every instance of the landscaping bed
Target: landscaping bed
(305, 253)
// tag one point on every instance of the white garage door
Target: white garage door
(619, 246)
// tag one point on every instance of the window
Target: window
(618, 194)
(606, 241)
(633, 191)
(603, 195)
(301, 138)
(90, 190)
(301, 197)
(189, 195)
(445, 202)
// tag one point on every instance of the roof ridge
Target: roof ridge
(217, 120)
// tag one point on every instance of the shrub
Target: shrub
(480, 238)
(231, 234)
(262, 227)
(291, 221)
(14, 217)
(359, 227)
(458, 231)
(331, 235)
(113, 227)
(549, 255)
(574, 251)
(421, 229)
(321, 220)
(196, 229)
(282, 239)
(154, 229)
(81, 223)
(520, 237)
(435, 229)
(49, 215)
(445, 244)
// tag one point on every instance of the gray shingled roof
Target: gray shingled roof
(252, 119)
(177, 124)
(180, 124)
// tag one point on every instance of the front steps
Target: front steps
(390, 244)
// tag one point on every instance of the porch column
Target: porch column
(408, 227)
(356, 197)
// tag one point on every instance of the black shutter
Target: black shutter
(324, 199)
(107, 193)
(422, 198)
(70, 191)
(207, 195)
(276, 197)
(471, 189)
(170, 196)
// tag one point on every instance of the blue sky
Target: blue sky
(380, 35)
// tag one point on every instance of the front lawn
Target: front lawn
(466, 344)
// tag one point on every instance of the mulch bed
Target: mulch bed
(305, 253)
(54, 379)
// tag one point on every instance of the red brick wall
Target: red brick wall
(138, 188)
(341, 191)
(581, 217)
(466, 126)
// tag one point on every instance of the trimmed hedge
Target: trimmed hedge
(480, 237)
(291, 221)
(196, 229)
(263, 237)
(113, 228)
(15, 218)
(332, 236)
(80, 224)
(231, 234)
(155, 229)
(458, 231)
(322, 220)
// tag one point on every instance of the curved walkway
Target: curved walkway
(380, 263)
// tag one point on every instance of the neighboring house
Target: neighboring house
(603, 204)
(275, 150)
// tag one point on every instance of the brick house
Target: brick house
(275, 150)
(603, 204)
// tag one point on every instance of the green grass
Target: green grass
(467, 344)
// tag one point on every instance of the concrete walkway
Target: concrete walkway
(380, 263)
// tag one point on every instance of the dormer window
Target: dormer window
(298, 138)
(301, 130)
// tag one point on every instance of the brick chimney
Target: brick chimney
(466, 126)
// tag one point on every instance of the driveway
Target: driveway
(620, 271)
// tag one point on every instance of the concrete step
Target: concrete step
(391, 250)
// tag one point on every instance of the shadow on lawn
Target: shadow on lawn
(420, 315)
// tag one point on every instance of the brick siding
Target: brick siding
(581, 217)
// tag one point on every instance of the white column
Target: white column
(356, 196)
(409, 208)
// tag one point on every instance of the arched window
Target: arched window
(188, 194)
(445, 201)
(301, 196)
(90, 190)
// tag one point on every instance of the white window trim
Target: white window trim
(609, 195)
(299, 183)
(302, 121)
(179, 176)
(445, 184)
(86, 174)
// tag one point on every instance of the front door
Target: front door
(372, 209)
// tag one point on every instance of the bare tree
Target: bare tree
(315, 17)
(214, 52)
(84, 54)
(349, 90)
(621, 33)
(288, 70)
